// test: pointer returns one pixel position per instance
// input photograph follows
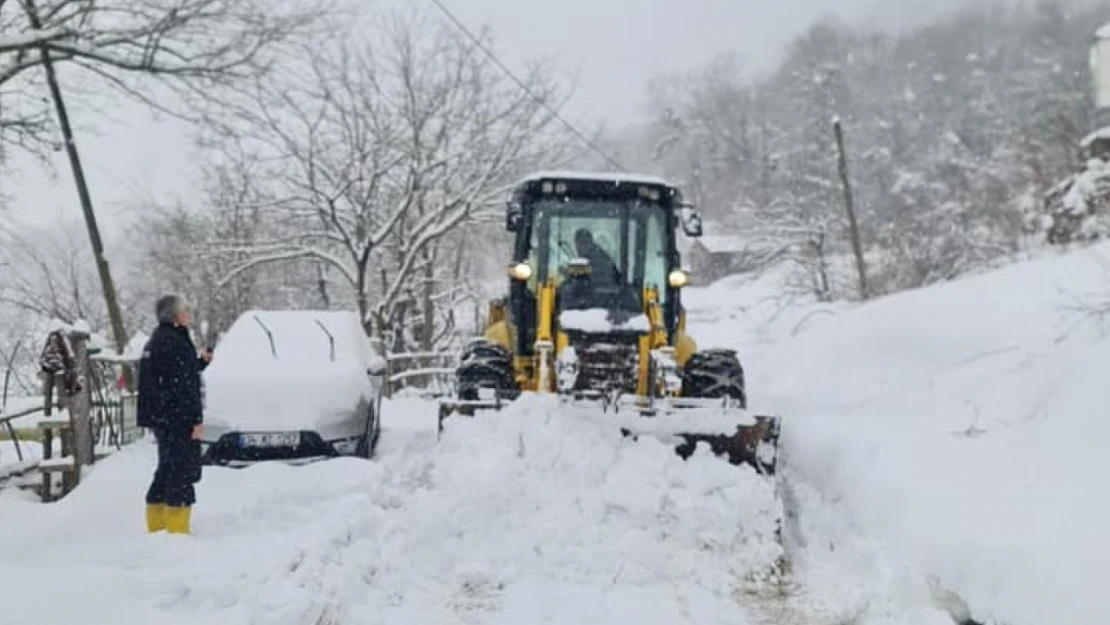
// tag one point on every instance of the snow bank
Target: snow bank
(533, 515)
(961, 430)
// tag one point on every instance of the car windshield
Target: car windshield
(624, 241)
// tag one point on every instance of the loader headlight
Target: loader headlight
(520, 271)
(678, 279)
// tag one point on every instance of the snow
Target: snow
(536, 514)
(724, 244)
(1100, 134)
(1103, 32)
(940, 446)
(22, 41)
(958, 430)
(132, 351)
(598, 320)
(246, 387)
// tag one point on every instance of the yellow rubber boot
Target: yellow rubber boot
(177, 519)
(155, 517)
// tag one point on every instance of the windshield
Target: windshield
(624, 241)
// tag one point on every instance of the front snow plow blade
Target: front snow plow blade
(729, 431)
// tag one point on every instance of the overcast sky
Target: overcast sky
(612, 46)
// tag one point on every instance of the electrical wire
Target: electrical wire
(493, 57)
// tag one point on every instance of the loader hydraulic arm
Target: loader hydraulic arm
(545, 341)
(654, 339)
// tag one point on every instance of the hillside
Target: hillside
(960, 429)
(942, 452)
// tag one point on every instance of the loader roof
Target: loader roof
(598, 176)
(598, 184)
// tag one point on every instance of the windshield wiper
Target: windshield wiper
(269, 335)
(331, 338)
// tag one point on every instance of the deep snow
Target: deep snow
(961, 429)
(533, 515)
(942, 441)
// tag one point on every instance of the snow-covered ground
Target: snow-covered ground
(939, 442)
(958, 432)
(536, 514)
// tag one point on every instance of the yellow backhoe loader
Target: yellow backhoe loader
(594, 313)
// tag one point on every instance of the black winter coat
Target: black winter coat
(170, 394)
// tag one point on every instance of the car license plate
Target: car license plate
(270, 439)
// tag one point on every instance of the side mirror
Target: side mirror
(376, 370)
(691, 221)
(514, 214)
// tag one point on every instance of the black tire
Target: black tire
(368, 443)
(485, 364)
(713, 374)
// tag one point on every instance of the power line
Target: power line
(493, 57)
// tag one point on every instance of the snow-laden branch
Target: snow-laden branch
(383, 150)
(32, 40)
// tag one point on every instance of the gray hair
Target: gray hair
(168, 307)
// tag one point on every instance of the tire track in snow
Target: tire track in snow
(821, 546)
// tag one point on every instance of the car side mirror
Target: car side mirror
(376, 371)
(691, 221)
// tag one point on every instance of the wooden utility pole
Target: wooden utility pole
(849, 207)
(79, 405)
(119, 334)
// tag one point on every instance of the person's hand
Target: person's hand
(198, 431)
(206, 354)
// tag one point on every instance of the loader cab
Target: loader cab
(602, 239)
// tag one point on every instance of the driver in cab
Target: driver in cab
(603, 271)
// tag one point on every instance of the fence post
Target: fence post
(79, 406)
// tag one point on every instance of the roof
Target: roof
(1102, 134)
(723, 244)
(617, 177)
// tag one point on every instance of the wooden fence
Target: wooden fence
(96, 421)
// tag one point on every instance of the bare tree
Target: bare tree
(48, 274)
(375, 153)
(190, 46)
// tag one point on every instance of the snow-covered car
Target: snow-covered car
(293, 386)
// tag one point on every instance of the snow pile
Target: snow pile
(301, 376)
(961, 430)
(532, 515)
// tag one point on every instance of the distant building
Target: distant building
(714, 257)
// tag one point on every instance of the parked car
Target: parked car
(293, 386)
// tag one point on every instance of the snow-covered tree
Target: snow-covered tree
(192, 47)
(952, 127)
(371, 154)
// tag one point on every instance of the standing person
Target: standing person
(170, 405)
